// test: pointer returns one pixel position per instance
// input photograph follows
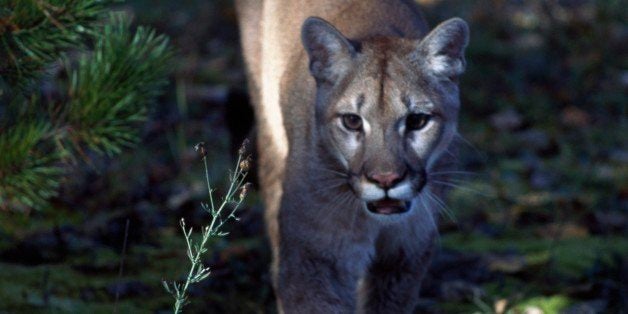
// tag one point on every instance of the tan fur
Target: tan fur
(331, 254)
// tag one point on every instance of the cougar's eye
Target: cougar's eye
(352, 122)
(417, 121)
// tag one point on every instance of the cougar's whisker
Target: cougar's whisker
(427, 212)
(438, 173)
(461, 187)
(444, 209)
(342, 174)
(329, 187)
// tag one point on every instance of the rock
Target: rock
(427, 306)
(152, 217)
(588, 307)
(128, 288)
(530, 41)
(526, 218)
(206, 93)
(563, 230)
(509, 264)
(619, 156)
(539, 142)
(623, 78)
(604, 221)
(51, 246)
(459, 290)
(605, 172)
(575, 117)
(533, 310)
(534, 139)
(183, 194)
(500, 306)
(450, 266)
(541, 180)
(506, 120)
(177, 200)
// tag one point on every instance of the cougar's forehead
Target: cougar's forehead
(383, 82)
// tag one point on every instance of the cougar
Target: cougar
(356, 105)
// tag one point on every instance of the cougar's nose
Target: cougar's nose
(385, 180)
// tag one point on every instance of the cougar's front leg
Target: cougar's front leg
(314, 284)
(319, 273)
(393, 279)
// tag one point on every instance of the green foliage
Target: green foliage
(111, 87)
(27, 175)
(35, 33)
(547, 304)
(97, 100)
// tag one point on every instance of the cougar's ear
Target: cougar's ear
(330, 52)
(442, 50)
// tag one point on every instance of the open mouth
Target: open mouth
(388, 206)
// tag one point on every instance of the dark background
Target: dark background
(540, 211)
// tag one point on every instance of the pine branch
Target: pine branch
(34, 33)
(109, 90)
(111, 87)
(29, 175)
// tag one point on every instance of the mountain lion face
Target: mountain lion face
(386, 108)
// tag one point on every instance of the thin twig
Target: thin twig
(121, 267)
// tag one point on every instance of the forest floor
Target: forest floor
(540, 210)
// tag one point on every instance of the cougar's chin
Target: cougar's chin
(388, 206)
